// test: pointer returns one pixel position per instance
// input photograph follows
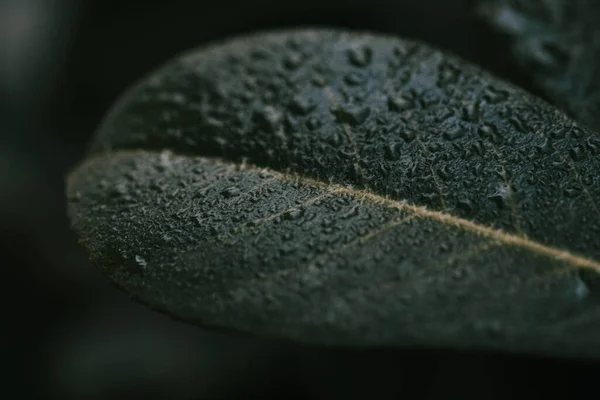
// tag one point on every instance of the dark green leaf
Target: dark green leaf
(251, 185)
(557, 42)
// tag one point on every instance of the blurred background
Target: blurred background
(67, 333)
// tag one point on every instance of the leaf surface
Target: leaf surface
(347, 189)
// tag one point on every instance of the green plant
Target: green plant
(347, 189)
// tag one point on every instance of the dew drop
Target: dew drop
(287, 236)
(444, 172)
(572, 191)
(459, 274)
(268, 118)
(490, 132)
(581, 289)
(398, 103)
(352, 115)
(259, 54)
(405, 268)
(292, 61)
(445, 246)
(500, 196)
(231, 191)
(313, 123)
(302, 105)
(431, 198)
(454, 133)
(293, 214)
(140, 262)
(354, 79)
(494, 96)
(354, 211)
(327, 222)
(408, 134)
(447, 74)
(119, 190)
(319, 80)
(392, 151)
(545, 147)
(593, 143)
(590, 279)
(519, 124)
(360, 56)
(576, 153)
(471, 112)
(465, 204)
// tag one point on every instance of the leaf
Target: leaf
(556, 43)
(347, 189)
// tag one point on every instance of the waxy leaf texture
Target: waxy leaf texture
(350, 189)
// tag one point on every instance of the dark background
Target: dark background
(67, 333)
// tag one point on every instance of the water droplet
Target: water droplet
(490, 132)
(547, 52)
(140, 262)
(392, 151)
(459, 274)
(572, 191)
(268, 118)
(494, 96)
(302, 105)
(231, 191)
(313, 123)
(501, 195)
(444, 172)
(581, 289)
(287, 236)
(318, 79)
(119, 190)
(434, 147)
(447, 73)
(327, 222)
(545, 147)
(405, 268)
(591, 280)
(354, 78)
(576, 153)
(293, 214)
(431, 198)
(259, 54)
(292, 61)
(518, 124)
(478, 147)
(408, 134)
(593, 143)
(352, 115)
(465, 203)
(360, 56)
(471, 111)
(164, 161)
(354, 211)
(454, 133)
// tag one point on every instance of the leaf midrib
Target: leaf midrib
(509, 239)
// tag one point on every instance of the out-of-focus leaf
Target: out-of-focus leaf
(557, 42)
